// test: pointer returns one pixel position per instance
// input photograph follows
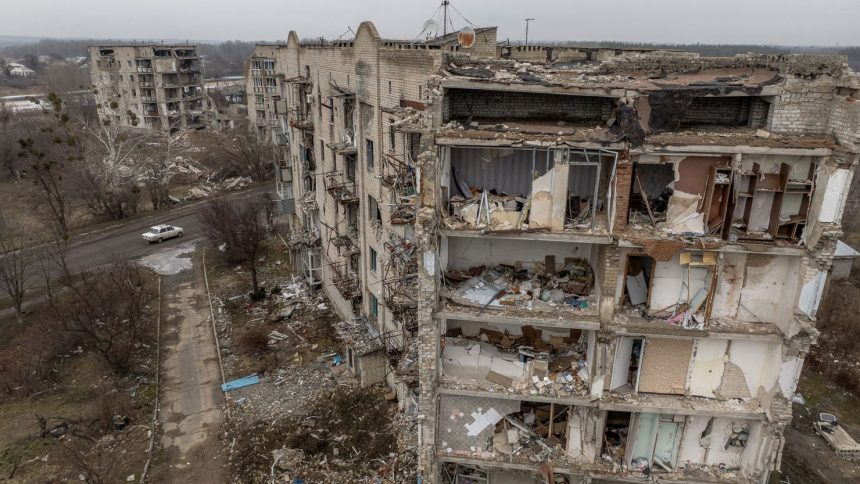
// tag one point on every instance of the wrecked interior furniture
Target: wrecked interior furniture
(527, 188)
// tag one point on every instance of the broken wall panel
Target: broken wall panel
(664, 366)
(760, 363)
(706, 371)
(730, 283)
(765, 276)
(674, 284)
(549, 198)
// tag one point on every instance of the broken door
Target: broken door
(668, 442)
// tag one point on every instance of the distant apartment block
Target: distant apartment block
(150, 86)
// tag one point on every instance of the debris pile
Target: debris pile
(527, 364)
(347, 435)
(539, 285)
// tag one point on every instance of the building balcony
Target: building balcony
(302, 121)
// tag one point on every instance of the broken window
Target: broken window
(655, 441)
(504, 189)
(373, 212)
(372, 259)
(368, 153)
(374, 307)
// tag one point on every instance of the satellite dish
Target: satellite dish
(430, 28)
(466, 37)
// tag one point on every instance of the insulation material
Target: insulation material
(707, 368)
(767, 275)
(730, 283)
(549, 199)
(664, 366)
(834, 196)
(683, 214)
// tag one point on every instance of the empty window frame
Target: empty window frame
(368, 153)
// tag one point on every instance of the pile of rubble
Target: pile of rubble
(497, 361)
(540, 286)
(346, 435)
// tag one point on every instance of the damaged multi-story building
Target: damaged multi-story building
(590, 265)
(153, 86)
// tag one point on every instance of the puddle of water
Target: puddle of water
(170, 261)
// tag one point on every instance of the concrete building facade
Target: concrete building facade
(150, 86)
(583, 264)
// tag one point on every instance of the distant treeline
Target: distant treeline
(224, 59)
(227, 58)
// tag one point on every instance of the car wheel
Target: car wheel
(180, 234)
(159, 240)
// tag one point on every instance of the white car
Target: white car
(162, 232)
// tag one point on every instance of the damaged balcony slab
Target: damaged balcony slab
(540, 235)
(511, 316)
(749, 409)
(719, 328)
(636, 237)
(527, 134)
(738, 141)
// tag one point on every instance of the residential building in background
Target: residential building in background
(595, 264)
(150, 86)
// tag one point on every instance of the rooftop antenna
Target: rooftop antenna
(527, 30)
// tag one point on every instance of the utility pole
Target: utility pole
(527, 30)
(445, 4)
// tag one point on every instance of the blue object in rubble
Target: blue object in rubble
(298, 480)
(337, 360)
(240, 383)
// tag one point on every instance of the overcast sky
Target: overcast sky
(787, 22)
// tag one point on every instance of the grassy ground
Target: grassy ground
(77, 390)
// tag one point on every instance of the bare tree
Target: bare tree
(159, 167)
(106, 307)
(242, 226)
(248, 153)
(49, 148)
(17, 260)
(110, 172)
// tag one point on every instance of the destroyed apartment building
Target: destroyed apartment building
(583, 264)
(156, 86)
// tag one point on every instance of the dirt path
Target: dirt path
(190, 385)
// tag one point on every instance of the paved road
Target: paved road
(190, 378)
(123, 240)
